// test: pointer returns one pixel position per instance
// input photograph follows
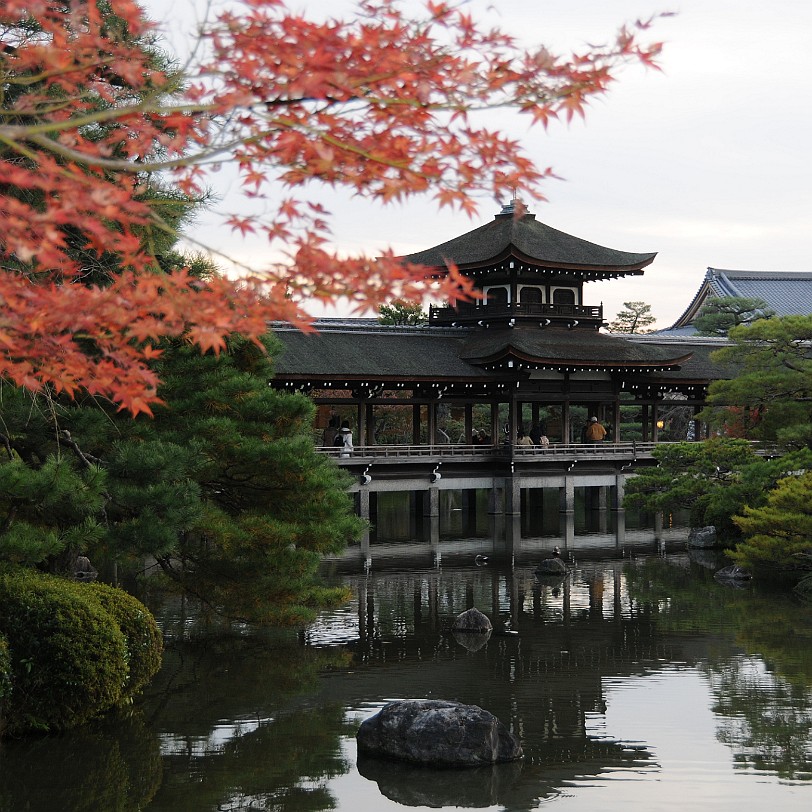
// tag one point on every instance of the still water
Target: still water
(635, 683)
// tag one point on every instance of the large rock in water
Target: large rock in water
(433, 731)
(472, 620)
(551, 566)
(702, 537)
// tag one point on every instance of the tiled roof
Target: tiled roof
(699, 366)
(374, 352)
(578, 347)
(534, 241)
(788, 293)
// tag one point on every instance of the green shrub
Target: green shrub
(68, 655)
(141, 633)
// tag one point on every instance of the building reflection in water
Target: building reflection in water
(542, 670)
(455, 526)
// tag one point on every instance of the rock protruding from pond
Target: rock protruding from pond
(702, 537)
(551, 566)
(732, 573)
(472, 620)
(437, 732)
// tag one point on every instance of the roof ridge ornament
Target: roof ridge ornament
(514, 207)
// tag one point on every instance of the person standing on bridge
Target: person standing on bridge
(345, 436)
(595, 432)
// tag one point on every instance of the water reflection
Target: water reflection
(455, 526)
(627, 680)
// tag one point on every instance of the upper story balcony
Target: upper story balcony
(469, 313)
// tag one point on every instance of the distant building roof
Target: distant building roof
(788, 293)
(527, 239)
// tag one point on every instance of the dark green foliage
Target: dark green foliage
(68, 655)
(223, 487)
(141, 634)
(778, 534)
(636, 318)
(770, 394)
(720, 314)
(47, 507)
(700, 477)
(271, 506)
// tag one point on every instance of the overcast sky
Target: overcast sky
(706, 162)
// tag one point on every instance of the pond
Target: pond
(637, 682)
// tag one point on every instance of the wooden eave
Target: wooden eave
(511, 252)
(531, 241)
(511, 352)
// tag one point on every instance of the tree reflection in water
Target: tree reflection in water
(246, 719)
(762, 688)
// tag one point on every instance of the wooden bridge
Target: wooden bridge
(502, 469)
(433, 463)
(504, 472)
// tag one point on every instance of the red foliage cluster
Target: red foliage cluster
(381, 104)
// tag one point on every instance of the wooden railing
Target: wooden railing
(466, 311)
(471, 452)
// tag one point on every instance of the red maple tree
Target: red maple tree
(382, 105)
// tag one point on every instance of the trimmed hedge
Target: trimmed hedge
(141, 633)
(68, 655)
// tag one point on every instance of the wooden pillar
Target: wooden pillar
(616, 421)
(565, 422)
(360, 434)
(369, 434)
(432, 422)
(495, 423)
(416, 424)
(513, 419)
(469, 422)
(655, 414)
(644, 412)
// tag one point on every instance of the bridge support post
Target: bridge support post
(567, 496)
(364, 513)
(496, 502)
(620, 492)
(513, 495)
(431, 502)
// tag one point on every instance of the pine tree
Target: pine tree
(720, 314)
(634, 319)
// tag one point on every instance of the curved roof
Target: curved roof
(572, 348)
(526, 238)
(788, 293)
(370, 351)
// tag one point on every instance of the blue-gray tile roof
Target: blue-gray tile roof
(788, 293)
